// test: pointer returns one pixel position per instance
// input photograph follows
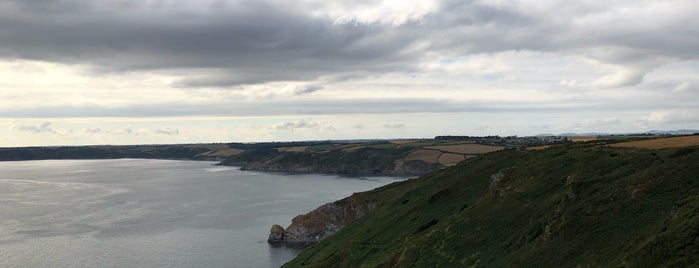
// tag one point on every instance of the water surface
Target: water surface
(153, 213)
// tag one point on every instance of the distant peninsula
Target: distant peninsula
(397, 157)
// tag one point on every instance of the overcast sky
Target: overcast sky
(181, 71)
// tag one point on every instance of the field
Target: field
(449, 159)
(466, 148)
(582, 138)
(542, 147)
(295, 149)
(429, 156)
(660, 143)
(224, 152)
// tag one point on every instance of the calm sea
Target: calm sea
(153, 213)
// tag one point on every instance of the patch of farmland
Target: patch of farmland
(403, 142)
(449, 159)
(660, 143)
(466, 148)
(429, 156)
(223, 152)
(295, 149)
(582, 138)
(535, 148)
(352, 148)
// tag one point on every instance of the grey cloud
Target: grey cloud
(686, 87)
(167, 131)
(358, 106)
(92, 130)
(125, 131)
(252, 43)
(42, 128)
(303, 124)
(394, 125)
(247, 42)
(306, 89)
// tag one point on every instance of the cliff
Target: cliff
(320, 223)
(329, 218)
(586, 205)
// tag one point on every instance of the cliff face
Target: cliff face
(320, 223)
(400, 168)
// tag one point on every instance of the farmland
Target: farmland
(661, 143)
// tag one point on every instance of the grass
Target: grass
(466, 148)
(577, 205)
(429, 156)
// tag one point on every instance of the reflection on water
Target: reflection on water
(152, 213)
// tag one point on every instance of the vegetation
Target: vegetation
(108, 152)
(405, 157)
(582, 205)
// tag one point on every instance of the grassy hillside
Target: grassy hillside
(381, 157)
(568, 205)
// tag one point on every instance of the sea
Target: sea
(154, 213)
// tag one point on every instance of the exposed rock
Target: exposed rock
(276, 234)
(320, 223)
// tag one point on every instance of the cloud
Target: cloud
(302, 90)
(684, 87)
(252, 42)
(604, 123)
(303, 124)
(394, 125)
(41, 128)
(167, 131)
(621, 78)
(659, 119)
(92, 130)
(128, 131)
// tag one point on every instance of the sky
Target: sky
(184, 71)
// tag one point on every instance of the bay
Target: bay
(153, 213)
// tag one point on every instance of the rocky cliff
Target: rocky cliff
(399, 168)
(320, 223)
(327, 219)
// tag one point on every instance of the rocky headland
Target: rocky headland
(329, 218)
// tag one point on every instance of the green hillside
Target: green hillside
(584, 205)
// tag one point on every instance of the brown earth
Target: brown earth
(466, 148)
(429, 156)
(660, 143)
(582, 138)
(296, 149)
(449, 159)
(352, 148)
(223, 152)
(403, 142)
(542, 147)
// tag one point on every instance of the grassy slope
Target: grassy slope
(564, 206)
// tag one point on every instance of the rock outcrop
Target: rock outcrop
(320, 223)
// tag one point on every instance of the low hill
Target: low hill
(383, 157)
(175, 151)
(574, 205)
